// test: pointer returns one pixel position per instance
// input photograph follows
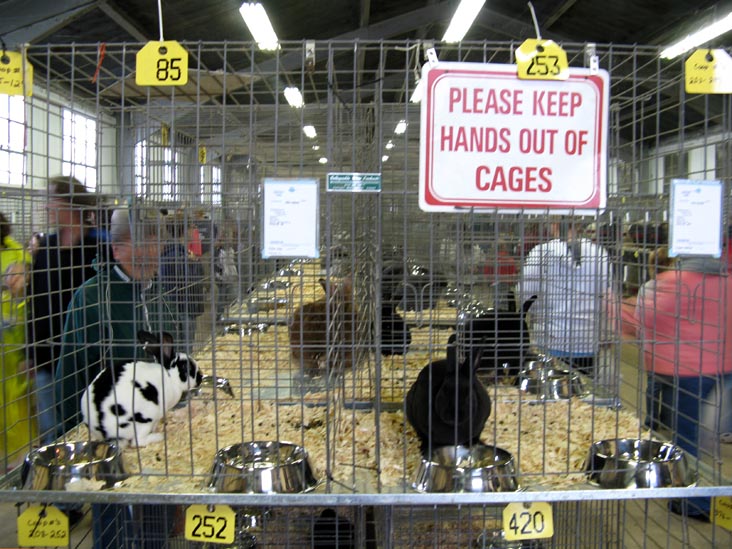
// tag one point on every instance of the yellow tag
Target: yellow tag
(11, 71)
(201, 154)
(165, 135)
(214, 526)
(541, 60)
(43, 526)
(528, 521)
(162, 64)
(722, 512)
(708, 71)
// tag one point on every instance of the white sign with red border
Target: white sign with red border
(489, 140)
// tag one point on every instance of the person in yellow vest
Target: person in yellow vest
(17, 423)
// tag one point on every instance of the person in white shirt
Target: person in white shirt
(570, 275)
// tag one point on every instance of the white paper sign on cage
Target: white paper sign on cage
(489, 140)
(290, 225)
(695, 219)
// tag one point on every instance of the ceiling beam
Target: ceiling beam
(26, 21)
(509, 28)
(561, 10)
(122, 20)
(363, 21)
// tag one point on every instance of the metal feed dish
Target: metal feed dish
(246, 329)
(550, 383)
(634, 463)
(478, 468)
(58, 466)
(262, 467)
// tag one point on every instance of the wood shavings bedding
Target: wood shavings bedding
(549, 441)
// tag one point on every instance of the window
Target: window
(211, 190)
(12, 139)
(141, 176)
(80, 148)
(169, 190)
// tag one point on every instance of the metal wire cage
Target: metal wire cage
(321, 349)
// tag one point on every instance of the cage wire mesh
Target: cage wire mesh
(321, 352)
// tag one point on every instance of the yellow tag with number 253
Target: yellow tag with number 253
(214, 524)
(523, 521)
(161, 64)
(541, 60)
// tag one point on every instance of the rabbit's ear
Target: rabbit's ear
(161, 347)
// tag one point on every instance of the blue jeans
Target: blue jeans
(46, 403)
(689, 396)
(659, 402)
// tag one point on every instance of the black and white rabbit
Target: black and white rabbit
(395, 334)
(447, 404)
(126, 402)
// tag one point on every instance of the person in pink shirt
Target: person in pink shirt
(682, 322)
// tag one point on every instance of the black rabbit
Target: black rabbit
(447, 404)
(502, 336)
(331, 530)
(395, 334)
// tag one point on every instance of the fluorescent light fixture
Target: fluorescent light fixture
(309, 131)
(316, 147)
(294, 97)
(463, 19)
(700, 37)
(323, 160)
(401, 127)
(418, 92)
(259, 25)
(385, 158)
(389, 145)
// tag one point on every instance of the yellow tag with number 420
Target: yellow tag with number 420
(528, 521)
(161, 64)
(212, 524)
(541, 60)
(43, 526)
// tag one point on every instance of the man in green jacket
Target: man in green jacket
(100, 330)
(107, 311)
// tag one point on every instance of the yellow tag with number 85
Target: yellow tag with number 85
(541, 60)
(523, 521)
(161, 64)
(214, 524)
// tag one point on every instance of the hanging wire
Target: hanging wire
(533, 16)
(160, 19)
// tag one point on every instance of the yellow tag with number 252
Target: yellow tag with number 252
(215, 524)
(161, 64)
(541, 60)
(523, 521)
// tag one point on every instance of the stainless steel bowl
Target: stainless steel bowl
(55, 466)
(262, 467)
(634, 463)
(478, 468)
(244, 330)
(210, 384)
(549, 382)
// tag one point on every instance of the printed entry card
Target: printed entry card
(290, 217)
(695, 218)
